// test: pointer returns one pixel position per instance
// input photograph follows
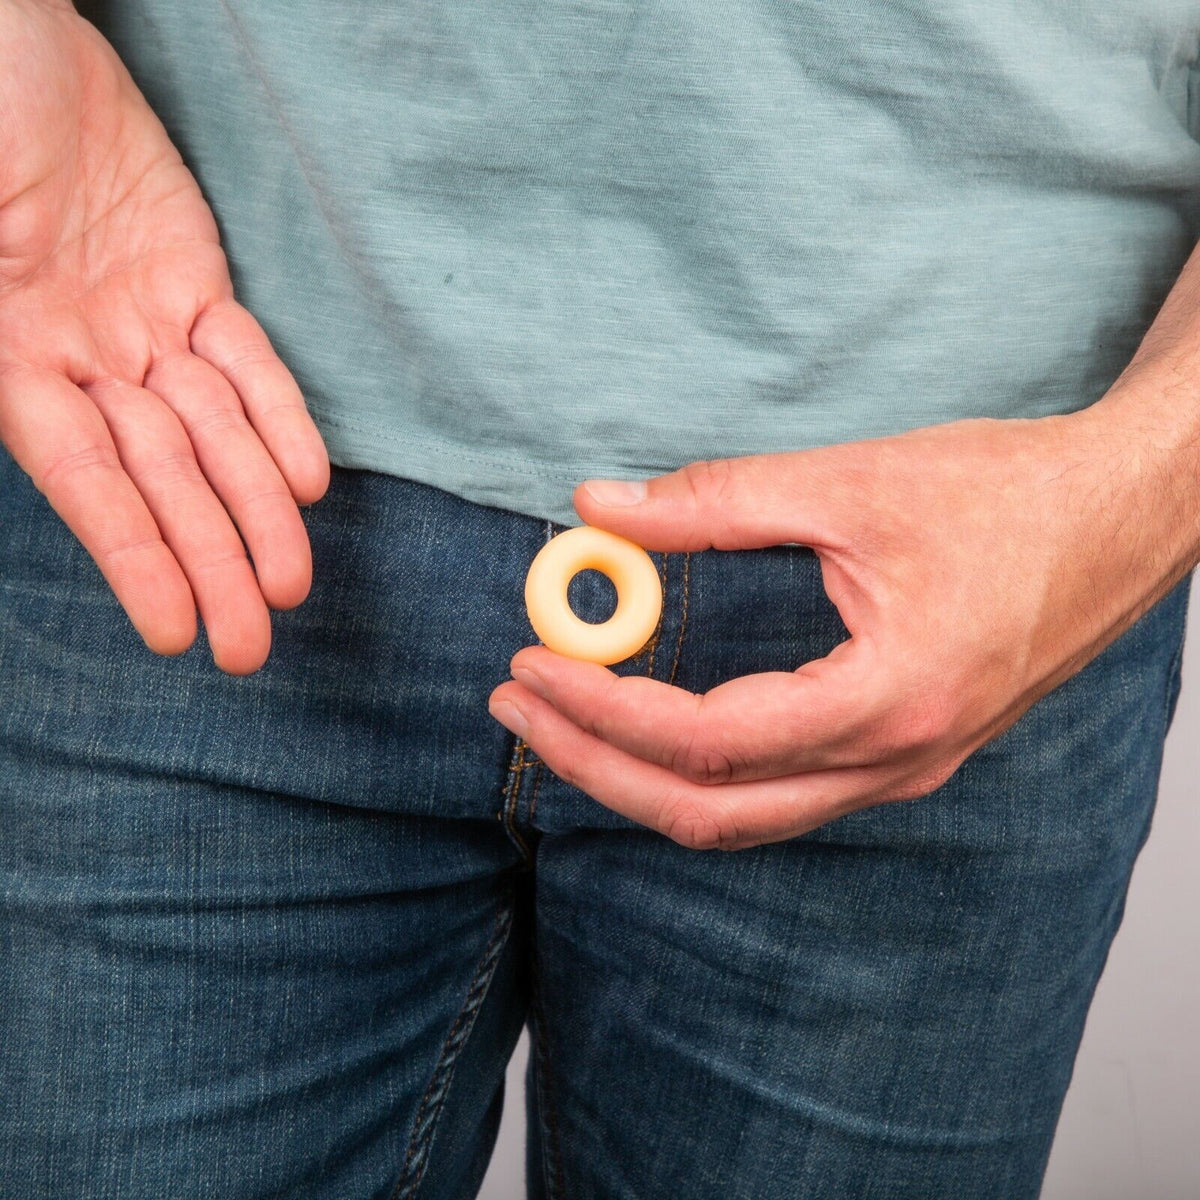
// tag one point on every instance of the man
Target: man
(263, 940)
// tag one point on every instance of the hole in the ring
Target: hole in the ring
(592, 596)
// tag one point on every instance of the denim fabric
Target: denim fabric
(276, 936)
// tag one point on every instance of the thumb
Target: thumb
(722, 503)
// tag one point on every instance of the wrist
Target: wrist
(1145, 432)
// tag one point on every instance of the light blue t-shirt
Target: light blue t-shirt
(505, 245)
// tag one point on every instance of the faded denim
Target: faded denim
(277, 936)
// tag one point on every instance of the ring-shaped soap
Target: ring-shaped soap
(633, 574)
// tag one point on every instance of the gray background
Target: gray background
(1130, 1128)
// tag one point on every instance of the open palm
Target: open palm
(142, 400)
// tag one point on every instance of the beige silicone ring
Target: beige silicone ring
(634, 575)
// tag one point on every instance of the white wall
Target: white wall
(1130, 1128)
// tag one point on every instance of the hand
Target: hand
(975, 564)
(143, 401)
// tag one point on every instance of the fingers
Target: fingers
(241, 472)
(727, 504)
(57, 436)
(232, 341)
(831, 713)
(729, 816)
(160, 460)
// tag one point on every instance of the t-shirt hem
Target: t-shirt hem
(526, 487)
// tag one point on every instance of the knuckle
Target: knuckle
(698, 755)
(174, 467)
(269, 496)
(220, 562)
(132, 546)
(699, 760)
(250, 355)
(87, 458)
(925, 781)
(920, 725)
(217, 420)
(711, 484)
(692, 826)
(709, 477)
(293, 407)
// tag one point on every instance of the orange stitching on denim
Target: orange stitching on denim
(647, 647)
(514, 787)
(518, 763)
(510, 801)
(530, 760)
(653, 643)
(537, 783)
(687, 562)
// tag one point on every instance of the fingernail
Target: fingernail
(530, 679)
(510, 716)
(616, 493)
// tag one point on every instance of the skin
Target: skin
(140, 397)
(977, 565)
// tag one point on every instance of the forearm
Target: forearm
(1149, 423)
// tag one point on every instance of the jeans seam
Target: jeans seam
(512, 791)
(552, 1170)
(662, 576)
(433, 1099)
(537, 783)
(683, 619)
(520, 760)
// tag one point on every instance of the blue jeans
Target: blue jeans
(276, 936)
